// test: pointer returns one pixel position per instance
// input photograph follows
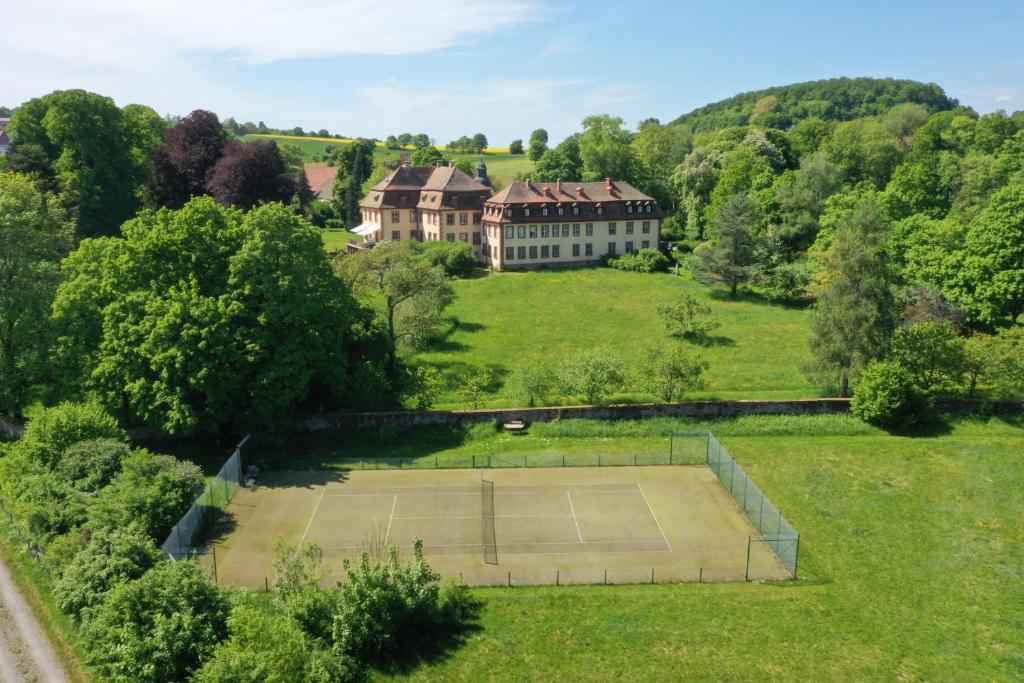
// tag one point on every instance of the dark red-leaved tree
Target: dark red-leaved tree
(182, 165)
(250, 173)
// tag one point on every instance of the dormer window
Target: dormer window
(561, 211)
(648, 208)
(600, 211)
(575, 211)
(544, 211)
(629, 209)
(401, 200)
(526, 212)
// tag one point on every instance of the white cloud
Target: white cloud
(163, 52)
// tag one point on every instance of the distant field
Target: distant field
(912, 566)
(508, 318)
(502, 167)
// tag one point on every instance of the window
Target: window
(464, 237)
(463, 219)
(629, 209)
(544, 251)
(611, 228)
(629, 247)
(402, 200)
(646, 227)
(510, 232)
(412, 216)
(588, 249)
(526, 212)
(449, 219)
(476, 219)
(395, 217)
(522, 232)
(544, 211)
(554, 250)
(629, 227)
(476, 238)
(575, 211)
(533, 252)
(545, 231)
(508, 212)
(600, 211)
(575, 250)
(533, 231)
(455, 201)
(575, 229)
(611, 248)
(396, 235)
(648, 208)
(565, 230)
(510, 253)
(450, 237)
(521, 253)
(590, 229)
(561, 211)
(646, 244)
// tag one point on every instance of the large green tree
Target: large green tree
(994, 257)
(606, 149)
(728, 257)
(34, 234)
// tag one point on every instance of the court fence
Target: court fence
(185, 536)
(774, 529)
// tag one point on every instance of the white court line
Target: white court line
(495, 517)
(390, 518)
(663, 536)
(578, 532)
(310, 522)
(378, 495)
(477, 545)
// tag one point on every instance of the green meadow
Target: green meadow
(503, 319)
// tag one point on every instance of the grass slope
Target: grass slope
(507, 318)
(912, 566)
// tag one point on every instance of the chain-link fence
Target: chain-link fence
(188, 532)
(776, 531)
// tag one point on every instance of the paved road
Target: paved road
(26, 655)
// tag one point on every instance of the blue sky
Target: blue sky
(501, 67)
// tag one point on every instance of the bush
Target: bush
(643, 261)
(688, 318)
(158, 628)
(111, 558)
(152, 490)
(88, 466)
(531, 382)
(886, 396)
(456, 259)
(55, 429)
(788, 282)
(591, 373)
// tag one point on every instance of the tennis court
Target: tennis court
(501, 526)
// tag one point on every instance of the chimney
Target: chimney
(608, 185)
(558, 186)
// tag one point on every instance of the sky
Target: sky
(502, 67)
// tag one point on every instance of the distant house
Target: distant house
(321, 181)
(5, 140)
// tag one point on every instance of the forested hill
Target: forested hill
(837, 99)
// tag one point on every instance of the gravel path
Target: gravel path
(25, 653)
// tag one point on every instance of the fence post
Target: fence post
(563, 459)
(746, 576)
(606, 577)
(732, 477)
(634, 460)
(598, 459)
(700, 577)
(214, 549)
(796, 556)
(266, 584)
(760, 516)
(652, 576)
(671, 445)
(746, 480)
(707, 450)
(510, 579)
(558, 573)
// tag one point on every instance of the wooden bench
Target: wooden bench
(515, 427)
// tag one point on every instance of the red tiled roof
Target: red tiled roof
(321, 180)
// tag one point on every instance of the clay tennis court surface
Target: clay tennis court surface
(558, 525)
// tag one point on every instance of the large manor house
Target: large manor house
(526, 225)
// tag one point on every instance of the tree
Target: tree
(531, 382)
(456, 259)
(474, 387)
(667, 372)
(409, 293)
(479, 142)
(856, 312)
(606, 151)
(994, 257)
(695, 180)
(592, 374)
(183, 163)
(90, 465)
(515, 147)
(934, 355)
(886, 396)
(554, 165)
(250, 173)
(1003, 355)
(160, 627)
(729, 257)
(426, 156)
(98, 154)
(538, 144)
(864, 150)
(688, 318)
(54, 430)
(801, 198)
(35, 235)
(112, 557)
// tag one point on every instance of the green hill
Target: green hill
(838, 99)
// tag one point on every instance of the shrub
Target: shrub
(456, 259)
(531, 383)
(421, 386)
(687, 317)
(788, 282)
(90, 465)
(643, 261)
(160, 627)
(934, 355)
(55, 429)
(474, 387)
(591, 373)
(668, 372)
(151, 490)
(297, 579)
(111, 558)
(886, 396)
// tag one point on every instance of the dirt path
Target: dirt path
(25, 652)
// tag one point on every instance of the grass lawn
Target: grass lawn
(509, 318)
(912, 568)
(502, 167)
(335, 239)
